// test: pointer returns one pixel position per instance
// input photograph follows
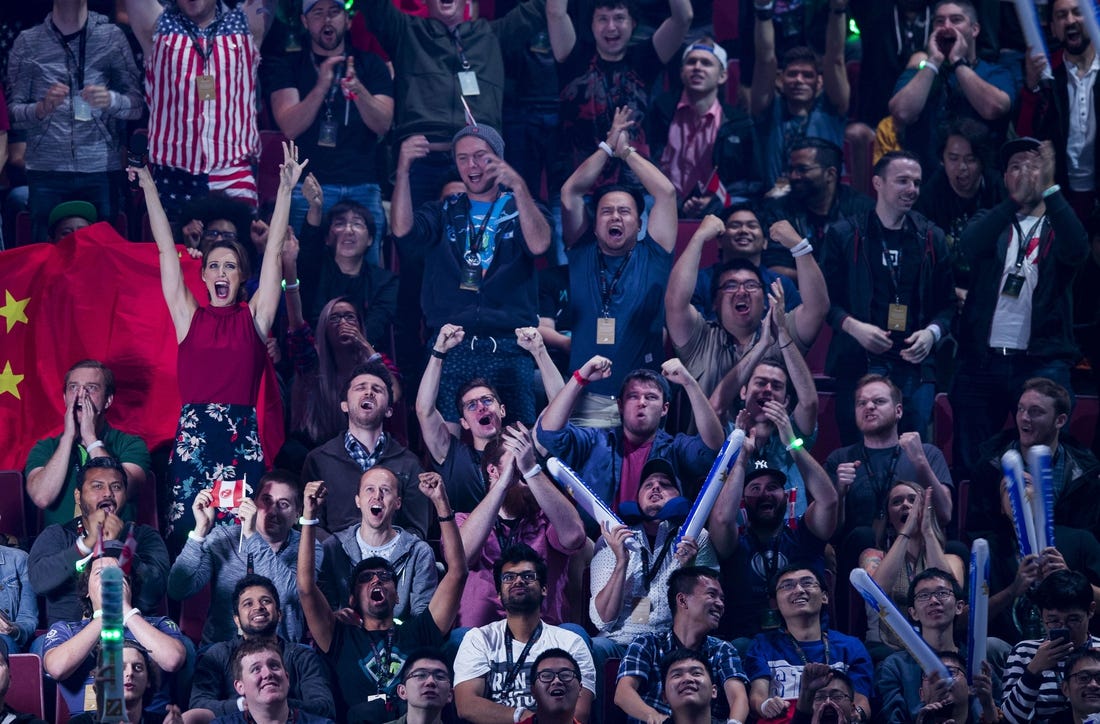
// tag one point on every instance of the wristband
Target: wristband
(961, 62)
(84, 550)
(935, 330)
(1052, 190)
(94, 445)
(802, 248)
(130, 614)
(579, 378)
(308, 521)
(437, 354)
(195, 536)
(517, 715)
(629, 150)
(446, 518)
(291, 287)
(535, 470)
(930, 66)
(607, 149)
(795, 444)
(374, 357)
(98, 613)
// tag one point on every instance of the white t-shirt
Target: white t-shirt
(482, 654)
(1012, 316)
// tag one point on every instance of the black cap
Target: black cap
(1017, 145)
(760, 468)
(655, 466)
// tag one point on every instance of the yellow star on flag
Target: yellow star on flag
(14, 310)
(9, 381)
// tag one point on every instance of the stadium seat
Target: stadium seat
(828, 436)
(943, 427)
(733, 81)
(25, 694)
(193, 612)
(271, 156)
(12, 510)
(147, 503)
(684, 232)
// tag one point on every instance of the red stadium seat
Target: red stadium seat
(271, 156)
(12, 508)
(25, 694)
(733, 81)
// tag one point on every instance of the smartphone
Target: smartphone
(1058, 633)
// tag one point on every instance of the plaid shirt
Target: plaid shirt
(364, 459)
(643, 658)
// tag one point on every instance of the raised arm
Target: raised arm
(609, 586)
(167, 651)
(444, 603)
(536, 230)
(806, 319)
(142, 16)
(722, 523)
(802, 380)
(561, 514)
(710, 427)
(663, 221)
(670, 34)
(765, 68)
(681, 316)
(181, 303)
(913, 448)
(401, 210)
(435, 431)
(265, 302)
(556, 414)
(475, 530)
(833, 71)
(987, 99)
(319, 617)
(531, 339)
(260, 14)
(563, 36)
(574, 215)
(909, 100)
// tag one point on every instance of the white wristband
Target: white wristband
(193, 535)
(610, 152)
(517, 714)
(130, 614)
(308, 521)
(535, 470)
(94, 445)
(84, 550)
(802, 248)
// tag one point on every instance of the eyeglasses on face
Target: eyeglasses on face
(790, 584)
(835, 695)
(214, 234)
(562, 675)
(1084, 678)
(425, 674)
(472, 405)
(940, 594)
(337, 317)
(512, 577)
(368, 576)
(733, 285)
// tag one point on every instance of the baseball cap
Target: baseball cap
(67, 209)
(1017, 145)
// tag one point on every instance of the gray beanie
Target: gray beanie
(485, 133)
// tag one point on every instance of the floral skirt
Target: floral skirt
(213, 442)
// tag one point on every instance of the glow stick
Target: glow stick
(979, 607)
(585, 499)
(1013, 467)
(708, 494)
(890, 616)
(1033, 36)
(1088, 17)
(1042, 495)
(112, 702)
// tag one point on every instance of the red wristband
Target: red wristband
(580, 380)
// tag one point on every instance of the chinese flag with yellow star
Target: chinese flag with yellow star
(95, 295)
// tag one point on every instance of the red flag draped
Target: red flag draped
(96, 295)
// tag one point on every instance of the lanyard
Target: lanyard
(513, 669)
(460, 49)
(506, 541)
(894, 272)
(649, 574)
(206, 48)
(474, 244)
(771, 562)
(386, 655)
(802, 654)
(76, 62)
(331, 95)
(880, 485)
(1022, 240)
(607, 291)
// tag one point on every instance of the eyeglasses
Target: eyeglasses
(219, 234)
(832, 695)
(425, 674)
(733, 285)
(472, 405)
(941, 594)
(802, 169)
(1069, 622)
(790, 584)
(337, 317)
(1083, 678)
(368, 576)
(525, 576)
(562, 675)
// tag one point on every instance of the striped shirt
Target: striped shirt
(1030, 697)
(185, 131)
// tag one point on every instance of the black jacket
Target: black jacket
(1064, 247)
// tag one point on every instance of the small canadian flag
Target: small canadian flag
(716, 187)
(229, 493)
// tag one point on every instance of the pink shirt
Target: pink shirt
(688, 157)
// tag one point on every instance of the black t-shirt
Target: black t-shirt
(895, 281)
(352, 161)
(365, 663)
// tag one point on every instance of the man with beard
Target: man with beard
(771, 540)
(1017, 322)
(892, 293)
(264, 542)
(260, 677)
(1066, 111)
(335, 102)
(738, 290)
(865, 472)
(689, 687)
(53, 557)
(492, 676)
(695, 134)
(776, 659)
(950, 81)
(367, 656)
(610, 461)
(53, 463)
(817, 200)
(479, 250)
(628, 587)
(425, 687)
(375, 536)
(556, 688)
(257, 614)
(341, 462)
(522, 506)
(1081, 687)
(696, 599)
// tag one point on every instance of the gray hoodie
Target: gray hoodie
(414, 560)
